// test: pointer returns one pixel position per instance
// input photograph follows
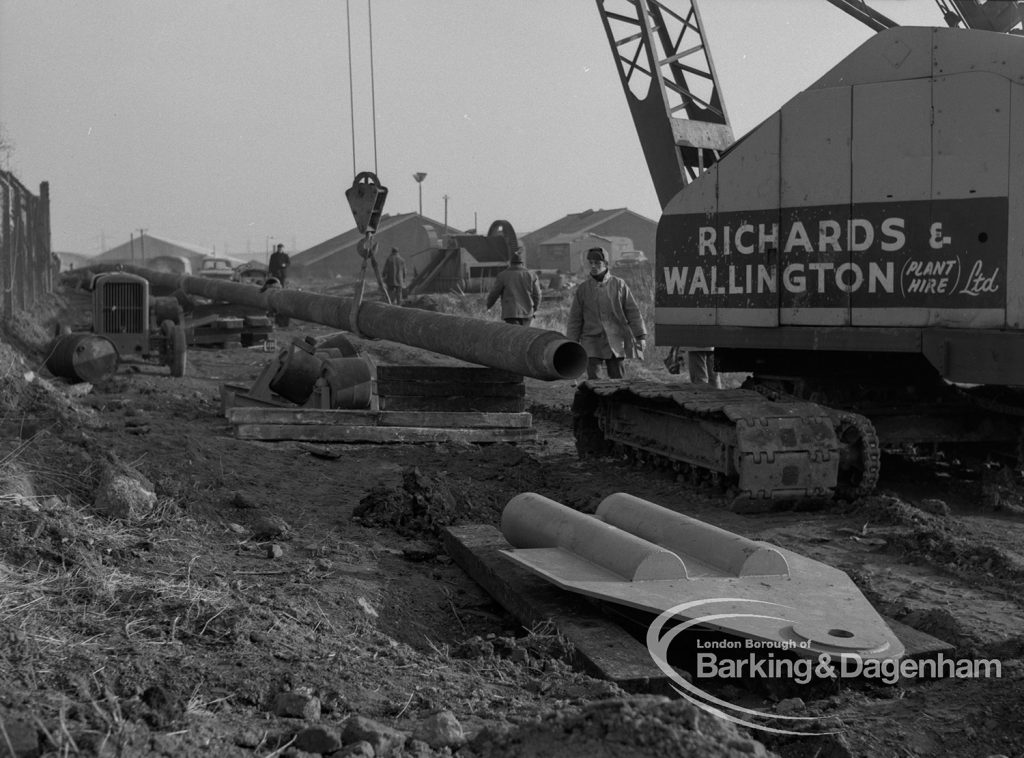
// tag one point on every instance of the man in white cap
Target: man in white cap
(519, 290)
(605, 318)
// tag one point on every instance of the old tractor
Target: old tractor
(140, 326)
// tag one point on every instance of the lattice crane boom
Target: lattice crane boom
(671, 87)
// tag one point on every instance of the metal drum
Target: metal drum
(82, 357)
(350, 381)
(302, 365)
(296, 375)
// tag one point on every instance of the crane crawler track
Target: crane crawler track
(767, 450)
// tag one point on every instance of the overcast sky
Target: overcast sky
(225, 123)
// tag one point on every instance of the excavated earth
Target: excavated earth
(169, 589)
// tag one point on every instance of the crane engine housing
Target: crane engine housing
(879, 211)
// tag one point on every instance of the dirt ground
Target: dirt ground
(290, 599)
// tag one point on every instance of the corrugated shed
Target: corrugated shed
(409, 232)
(139, 250)
(561, 238)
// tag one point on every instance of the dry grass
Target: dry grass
(78, 591)
(63, 562)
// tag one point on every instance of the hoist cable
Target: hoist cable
(373, 91)
(351, 87)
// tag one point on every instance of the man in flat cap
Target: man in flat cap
(605, 318)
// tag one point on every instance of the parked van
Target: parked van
(217, 268)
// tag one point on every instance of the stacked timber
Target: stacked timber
(450, 388)
(414, 404)
(214, 331)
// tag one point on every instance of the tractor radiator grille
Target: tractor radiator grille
(123, 308)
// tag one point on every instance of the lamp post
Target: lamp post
(269, 237)
(419, 176)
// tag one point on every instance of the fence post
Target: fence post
(7, 249)
(41, 240)
(18, 268)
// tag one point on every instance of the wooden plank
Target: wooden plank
(341, 433)
(457, 404)
(426, 373)
(197, 323)
(603, 648)
(237, 396)
(225, 339)
(294, 415)
(245, 400)
(297, 415)
(463, 419)
(918, 644)
(450, 389)
(258, 321)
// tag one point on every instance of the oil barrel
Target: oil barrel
(82, 357)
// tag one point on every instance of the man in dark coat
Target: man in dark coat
(519, 290)
(394, 276)
(278, 265)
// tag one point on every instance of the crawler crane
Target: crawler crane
(860, 253)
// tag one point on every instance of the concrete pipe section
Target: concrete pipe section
(533, 520)
(537, 353)
(709, 550)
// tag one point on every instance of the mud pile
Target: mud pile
(424, 504)
(624, 728)
(932, 535)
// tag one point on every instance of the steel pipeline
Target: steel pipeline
(537, 353)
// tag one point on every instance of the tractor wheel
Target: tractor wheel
(177, 347)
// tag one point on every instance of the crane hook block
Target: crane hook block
(366, 198)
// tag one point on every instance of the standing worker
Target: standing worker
(278, 264)
(519, 290)
(394, 276)
(701, 366)
(698, 363)
(605, 318)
